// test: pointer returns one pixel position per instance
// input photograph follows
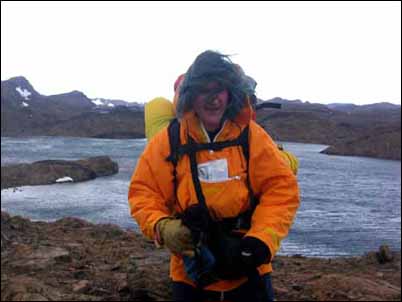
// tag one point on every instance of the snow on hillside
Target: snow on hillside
(23, 92)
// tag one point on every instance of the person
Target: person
(222, 209)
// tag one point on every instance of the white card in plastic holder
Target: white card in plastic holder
(213, 171)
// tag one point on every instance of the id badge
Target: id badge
(214, 171)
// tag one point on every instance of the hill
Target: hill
(25, 112)
(369, 130)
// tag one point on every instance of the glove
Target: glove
(253, 253)
(175, 236)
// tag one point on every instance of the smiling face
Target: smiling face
(209, 109)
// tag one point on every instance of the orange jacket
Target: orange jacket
(151, 193)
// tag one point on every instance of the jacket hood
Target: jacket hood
(212, 67)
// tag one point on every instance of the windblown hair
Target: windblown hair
(213, 67)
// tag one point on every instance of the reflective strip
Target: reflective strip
(246, 254)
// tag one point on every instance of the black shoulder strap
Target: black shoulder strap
(174, 142)
(196, 180)
(191, 148)
(242, 140)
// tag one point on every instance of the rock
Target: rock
(39, 259)
(281, 291)
(100, 165)
(380, 144)
(74, 260)
(341, 288)
(384, 254)
(372, 257)
(22, 288)
(81, 286)
(297, 287)
(49, 253)
(51, 171)
(81, 274)
(145, 281)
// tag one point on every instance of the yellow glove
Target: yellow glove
(175, 236)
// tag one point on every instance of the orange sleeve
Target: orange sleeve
(151, 186)
(276, 188)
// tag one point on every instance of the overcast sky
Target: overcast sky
(317, 52)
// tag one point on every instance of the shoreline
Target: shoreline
(135, 229)
(329, 150)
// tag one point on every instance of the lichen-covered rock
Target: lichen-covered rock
(74, 260)
(50, 171)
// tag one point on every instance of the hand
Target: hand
(253, 253)
(175, 236)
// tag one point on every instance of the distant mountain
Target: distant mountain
(105, 106)
(380, 106)
(25, 112)
(18, 92)
(363, 108)
(368, 130)
(298, 105)
(108, 103)
(100, 102)
(345, 107)
(74, 99)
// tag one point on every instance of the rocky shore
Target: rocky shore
(386, 145)
(55, 171)
(72, 260)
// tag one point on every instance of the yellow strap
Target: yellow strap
(291, 160)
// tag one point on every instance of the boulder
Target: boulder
(56, 171)
(384, 254)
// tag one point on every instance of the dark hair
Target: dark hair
(211, 66)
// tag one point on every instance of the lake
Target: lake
(349, 205)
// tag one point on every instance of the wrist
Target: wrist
(158, 239)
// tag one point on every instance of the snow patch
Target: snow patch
(97, 102)
(24, 104)
(65, 179)
(110, 105)
(23, 92)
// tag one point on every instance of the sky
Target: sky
(321, 52)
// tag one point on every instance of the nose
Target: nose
(213, 99)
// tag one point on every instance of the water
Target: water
(350, 205)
